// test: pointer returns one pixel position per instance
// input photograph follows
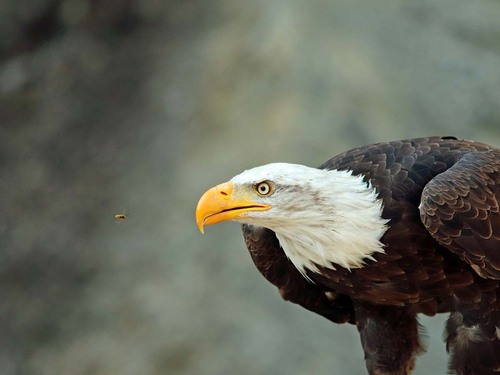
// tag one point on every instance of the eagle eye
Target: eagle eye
(264, 188)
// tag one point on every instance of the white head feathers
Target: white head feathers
(321, 217)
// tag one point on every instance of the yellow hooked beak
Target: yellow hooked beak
(220, 203)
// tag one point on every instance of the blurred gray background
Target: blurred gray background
(110, 106)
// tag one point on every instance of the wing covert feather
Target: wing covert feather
(460, 209)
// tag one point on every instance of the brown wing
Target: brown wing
(460, 209)
(273, 264)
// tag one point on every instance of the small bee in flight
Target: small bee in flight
(121, 217)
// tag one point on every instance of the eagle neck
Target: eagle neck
(344, 228)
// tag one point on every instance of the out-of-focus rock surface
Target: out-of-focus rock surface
(140, 106)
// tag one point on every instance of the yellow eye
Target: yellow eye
(264, 188)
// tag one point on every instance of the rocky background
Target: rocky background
(139, 106)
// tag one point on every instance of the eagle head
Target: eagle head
(321, 217)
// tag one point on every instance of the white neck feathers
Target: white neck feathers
(344, 228)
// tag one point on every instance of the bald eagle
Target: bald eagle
(377, 235)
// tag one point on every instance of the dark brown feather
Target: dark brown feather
(460, 207)
(273, 264)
